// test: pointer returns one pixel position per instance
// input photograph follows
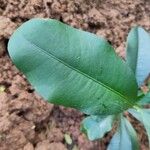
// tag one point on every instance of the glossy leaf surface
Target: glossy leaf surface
(125, 138)
(138, 53)
(73, 68)
(95, 127)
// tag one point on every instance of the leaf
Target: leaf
(145, 100)
(125, 138)
(73, 68)
(95, 127)
(143, 115)
(138, 53)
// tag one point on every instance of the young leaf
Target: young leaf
(95, 127)
(138, 53)
(73, 68)
(125, 138)
(145, 100)
(143, 115)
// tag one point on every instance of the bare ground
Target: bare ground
(27, 122)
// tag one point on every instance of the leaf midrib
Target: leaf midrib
(77, 70)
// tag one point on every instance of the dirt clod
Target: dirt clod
(45, 145)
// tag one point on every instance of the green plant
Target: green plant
(77, 69)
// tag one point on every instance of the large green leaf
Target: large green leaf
(143, 115)
(125, 138)
(138, 53)
(95, 127)
(73, 68)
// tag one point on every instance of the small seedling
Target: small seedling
(77, 69)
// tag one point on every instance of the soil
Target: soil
(27, 122)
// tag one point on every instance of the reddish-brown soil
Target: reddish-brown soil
(27, 122)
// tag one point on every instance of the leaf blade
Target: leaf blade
(71, 67)
(138, 53)
(124, 138)
(143, 115)
(95, 127)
